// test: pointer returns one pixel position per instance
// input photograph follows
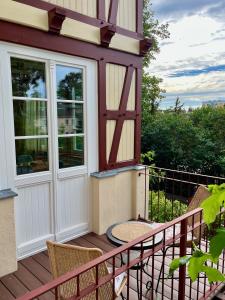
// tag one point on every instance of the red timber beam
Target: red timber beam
(102, 114)
(32, 37)
(99, 22)
(101, 9)
(139, 16)
(113, 10)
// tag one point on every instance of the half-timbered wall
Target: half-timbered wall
(126, 10)
(119, 115)
(126, 15)
(115, 77)
(119, 72)
(85, 7)
(110, 33)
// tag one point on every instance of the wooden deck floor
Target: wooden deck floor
(35, 271)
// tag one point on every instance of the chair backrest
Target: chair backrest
(65, 258)
(200, 195)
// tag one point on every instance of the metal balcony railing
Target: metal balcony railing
(170, 193)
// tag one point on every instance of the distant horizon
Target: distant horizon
(187, 103)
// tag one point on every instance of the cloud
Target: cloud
(195, 72)
(217, 11)
(197, 45)
(202, 84)
(165, 9)
(194, 44)
(192, 62)
(166, 43)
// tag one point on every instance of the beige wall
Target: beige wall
(126, 146)
(85, 7)
(110, 129)
(115, 75)
(126, 17)
(8, 262)
(117, 198)
(20, 13)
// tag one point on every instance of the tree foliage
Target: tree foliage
(153, 30)
(151, 90)
(193, 141)
(151, 95)
(199, 261)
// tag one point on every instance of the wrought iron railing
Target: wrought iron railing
(170, 191)
(171, 239)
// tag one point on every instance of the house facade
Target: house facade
(70, 118)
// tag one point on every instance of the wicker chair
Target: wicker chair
(200, 195)
(65, 258)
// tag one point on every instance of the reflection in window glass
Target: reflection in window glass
(30, 118)
(71, 152)
(31, 156)
(70, 118)
(28, 78)
(69, 83)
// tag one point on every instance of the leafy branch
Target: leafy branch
(198, 262)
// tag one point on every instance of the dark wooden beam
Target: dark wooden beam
(137, 135)
(56, 17)
(100, 22)
(101, 10)
(107, 34)
(19, 34)
(139, 16)
(102, 112)
(113, 10)
(145, 46)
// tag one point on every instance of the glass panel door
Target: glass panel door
(30, 115)
(70, 114)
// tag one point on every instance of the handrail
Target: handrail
(185, 172)
(80, 270)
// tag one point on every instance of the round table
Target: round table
(147, 245)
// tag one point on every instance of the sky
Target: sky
(192, 61)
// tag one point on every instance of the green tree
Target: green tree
(71, 83)
(173, 138)
(153, 30)
(191, 141)
(178, 107)
(151, 95)
(151, 90)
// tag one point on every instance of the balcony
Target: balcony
(170, 194)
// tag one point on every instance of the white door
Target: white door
(53, 140)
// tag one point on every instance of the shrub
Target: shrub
(162, 209)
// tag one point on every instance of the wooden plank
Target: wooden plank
(37, 270)
(106, 248)
(15, 287)
(4, 293)
(157, 266)
(30, 281)
(43, 260)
